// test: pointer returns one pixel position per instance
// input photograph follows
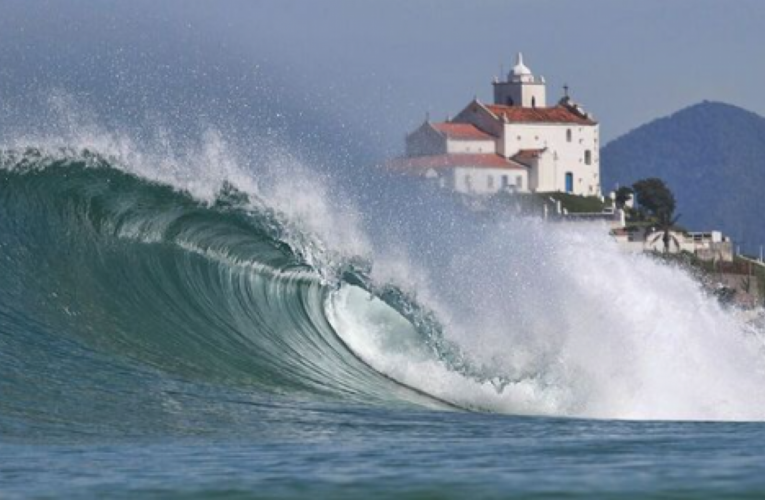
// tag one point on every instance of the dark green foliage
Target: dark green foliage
(654, 196)
(535, 203)
(577, 204)
(713, 157)
(623, 195)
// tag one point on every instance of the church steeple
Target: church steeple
(521, 88)
(520, 71)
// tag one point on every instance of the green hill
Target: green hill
(712, 156)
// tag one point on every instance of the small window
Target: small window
(588, 157)
(490, 182)
(533, 102)
(468, 183)
(505, 181)
(569, 135)
(519, 182)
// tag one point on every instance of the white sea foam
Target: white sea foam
(569, 325)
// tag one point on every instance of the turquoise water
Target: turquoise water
(156, 344)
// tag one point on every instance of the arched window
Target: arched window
(568, 135)
(588, 157)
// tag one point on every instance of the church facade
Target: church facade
(518, 143)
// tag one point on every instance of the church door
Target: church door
(569, 182)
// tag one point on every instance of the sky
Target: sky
(345, 66)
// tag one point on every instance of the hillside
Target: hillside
(712, 155)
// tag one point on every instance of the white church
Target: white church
(518, 143)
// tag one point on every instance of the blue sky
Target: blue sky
(380, 66)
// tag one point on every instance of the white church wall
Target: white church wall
(485, 181)
(569, 155)
(481, 118)
(527, 95)
(546, 170)
(488, 146)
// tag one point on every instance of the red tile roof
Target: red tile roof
(556, 114)
(528, 154)
(456, 160)
(465, 131)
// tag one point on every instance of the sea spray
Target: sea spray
(488, 312)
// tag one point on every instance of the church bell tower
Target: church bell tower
(521, 88)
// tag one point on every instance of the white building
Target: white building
(516, 143)
(711, 245)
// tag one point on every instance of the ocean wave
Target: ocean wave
(106, 261)
(115, 283)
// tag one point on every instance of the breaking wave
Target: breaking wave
(110, 273)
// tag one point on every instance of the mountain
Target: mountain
(712, 156)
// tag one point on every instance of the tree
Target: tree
(655, 197)
(623, 195)
(665, 227)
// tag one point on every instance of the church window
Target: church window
(569, 136)
(588, 157)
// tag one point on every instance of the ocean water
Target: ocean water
(179, 325)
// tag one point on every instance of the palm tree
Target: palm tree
(666, 223)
